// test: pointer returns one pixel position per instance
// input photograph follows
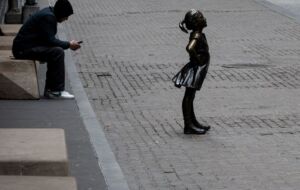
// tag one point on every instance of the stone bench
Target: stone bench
(33, 152)
(9, 29)
(6, 42)
(37, 183)
(18, 78)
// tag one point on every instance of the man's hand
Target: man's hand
(74, 45)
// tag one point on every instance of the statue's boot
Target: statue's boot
(197, 124)
(189, 127)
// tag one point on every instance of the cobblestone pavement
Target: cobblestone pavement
(131, 50)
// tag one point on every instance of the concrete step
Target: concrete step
(18, 78)
(6, 42)
(35, 152)
(37, 183)
(10, 29)
(6, 53)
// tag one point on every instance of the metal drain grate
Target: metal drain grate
(103, 74)
(245, 65)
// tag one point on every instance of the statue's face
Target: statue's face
(201, 20)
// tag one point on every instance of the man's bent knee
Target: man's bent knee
(56, 55)
(58, 50)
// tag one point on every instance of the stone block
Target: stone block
(37, 183)
(13, 16)
(33, 152)
(6, 42)
(28, 11)
(10, 29)
(6, 53)
(18, 78)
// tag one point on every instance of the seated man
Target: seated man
(36, 41)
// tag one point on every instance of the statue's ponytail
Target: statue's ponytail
(182, 26)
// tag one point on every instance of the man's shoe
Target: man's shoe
(66, 95)
(58, 95)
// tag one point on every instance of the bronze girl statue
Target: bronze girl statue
(193, 73)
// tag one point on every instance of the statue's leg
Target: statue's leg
(187, 110)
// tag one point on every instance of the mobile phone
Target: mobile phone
(80, 42)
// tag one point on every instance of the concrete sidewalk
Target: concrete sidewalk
(131, 50)
(44, 113)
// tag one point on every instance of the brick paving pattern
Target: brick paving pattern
(132, 49)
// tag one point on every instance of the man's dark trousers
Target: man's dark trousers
(54, 56)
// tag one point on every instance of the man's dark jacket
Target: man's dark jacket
(39, 30)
